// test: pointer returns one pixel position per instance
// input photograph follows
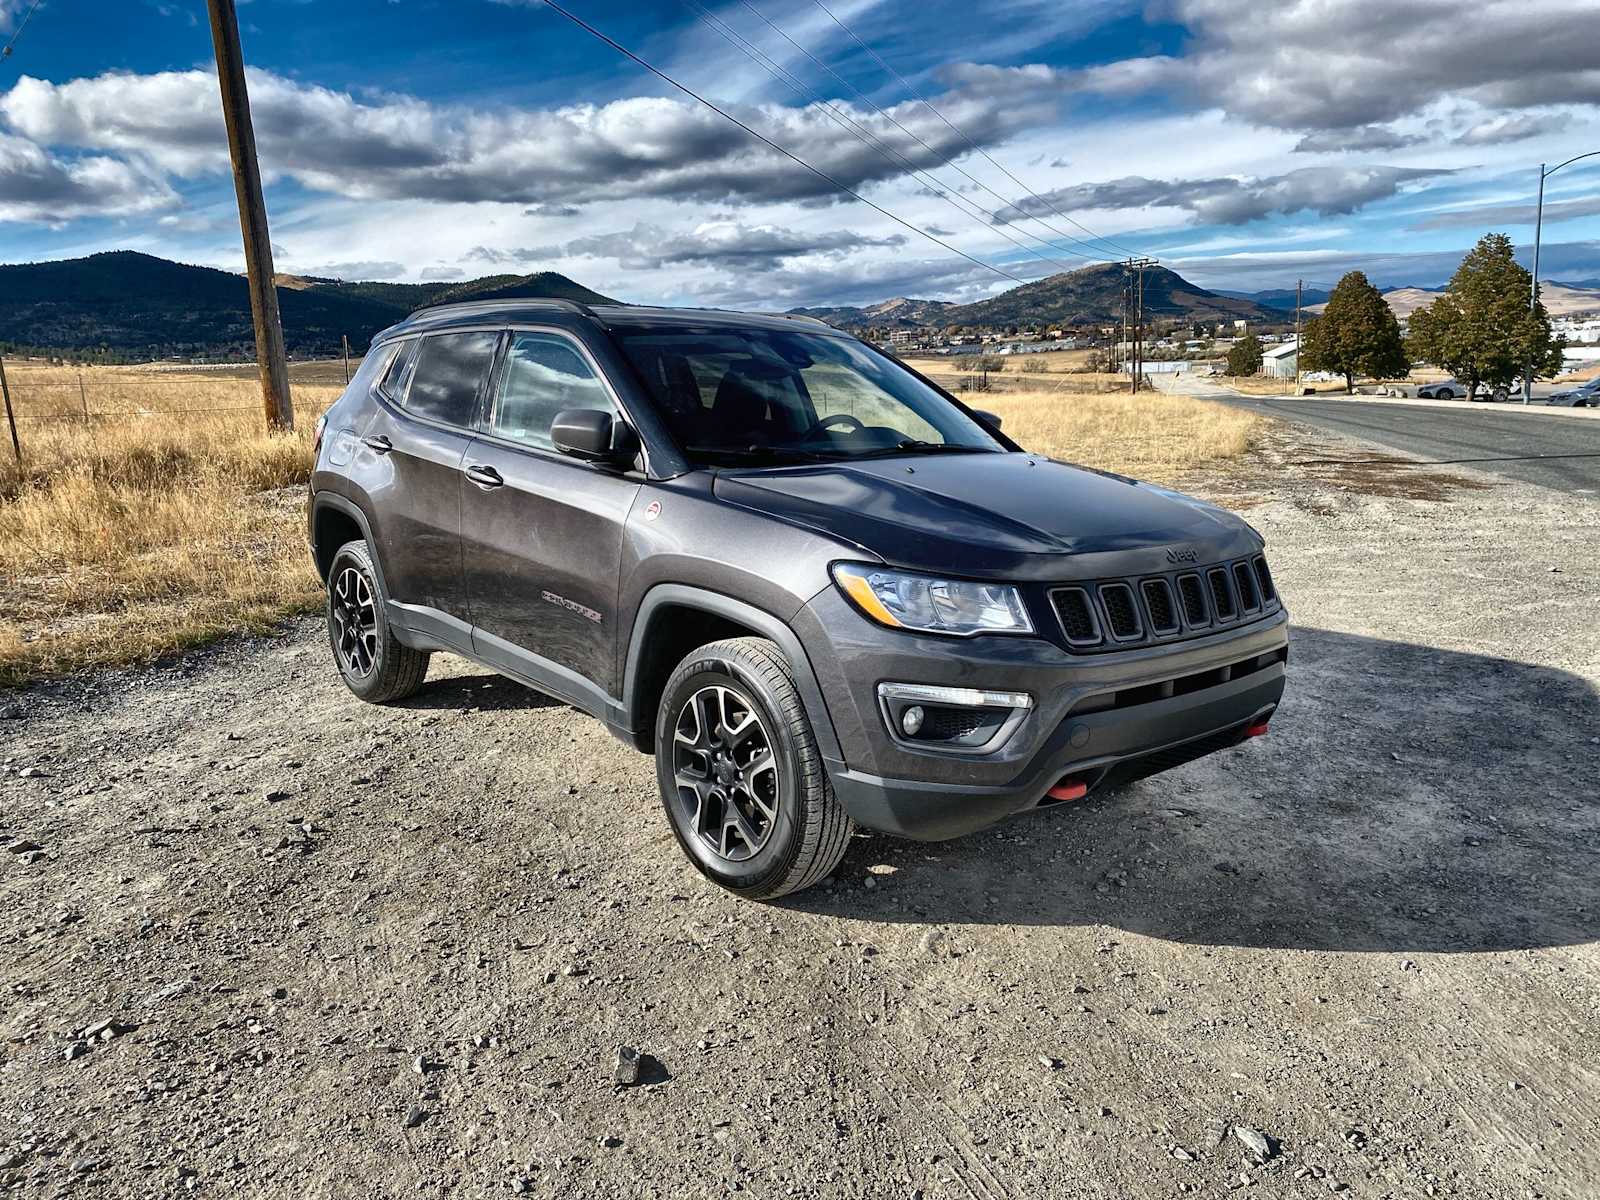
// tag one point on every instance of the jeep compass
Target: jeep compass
(820, 590)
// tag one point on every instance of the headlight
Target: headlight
(930, 605)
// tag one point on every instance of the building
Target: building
(1281, 362)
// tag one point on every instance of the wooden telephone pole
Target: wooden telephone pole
(252, 215)
(1136, 267)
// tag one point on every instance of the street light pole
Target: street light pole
(1538, 230)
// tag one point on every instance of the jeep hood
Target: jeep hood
(992, 513)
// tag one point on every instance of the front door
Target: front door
(421, 435)
(541, 533)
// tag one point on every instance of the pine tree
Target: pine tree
(1244, 357)
(1357, 334)
(1481, 329)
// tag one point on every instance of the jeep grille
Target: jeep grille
(1114, 614)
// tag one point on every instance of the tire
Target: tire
(371, 660)
(758, 831)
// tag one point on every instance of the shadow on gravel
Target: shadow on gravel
(1407, 799)
(485, 691)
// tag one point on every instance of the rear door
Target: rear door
(541, 533)
(421, 434)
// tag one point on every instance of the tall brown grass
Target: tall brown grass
(1150, 436)
(127, 537)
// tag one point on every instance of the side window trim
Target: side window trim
(485, 427)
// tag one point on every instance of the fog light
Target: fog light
(911, 720)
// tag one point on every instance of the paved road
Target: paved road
(1554, 450)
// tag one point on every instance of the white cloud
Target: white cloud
(399, 147)
(37, 186)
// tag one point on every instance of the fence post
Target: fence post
(11, 419)
(344, 339)
(84, 396)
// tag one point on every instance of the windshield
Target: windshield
(749, 395)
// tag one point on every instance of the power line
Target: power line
(905, 83)
(864, 135)
(17, 32)
(1096, 253)
(761, 137)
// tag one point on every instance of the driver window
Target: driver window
(838, 391)
(544, 375)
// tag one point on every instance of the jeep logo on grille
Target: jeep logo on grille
(1183, 554)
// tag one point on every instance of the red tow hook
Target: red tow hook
(1069, 789)
(1259, 729)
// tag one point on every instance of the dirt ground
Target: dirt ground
(358, 952)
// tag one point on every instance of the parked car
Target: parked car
(1454, 389)
(1585, 395)
(817, 587)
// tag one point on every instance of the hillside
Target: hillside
(1560, 299)
(1092, 296)
(126, 306)
(899, 313)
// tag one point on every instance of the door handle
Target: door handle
(378, 443)
(484, 477)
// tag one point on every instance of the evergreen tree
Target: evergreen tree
(1481, 330)
(1357, 334)
(1244, 357)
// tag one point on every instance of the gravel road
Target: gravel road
(262, 940)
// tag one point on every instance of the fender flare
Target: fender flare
(351, 509)
(763, 622)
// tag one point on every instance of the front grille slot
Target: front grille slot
(1194, 599)
(1221, 597)
(1158, 601)
(1122, 613)
(1077, 616)
(1264, 580)
(1245, 580)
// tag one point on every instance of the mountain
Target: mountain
(1092, 296)
(1279, 297)
(1560, 299)
(125, 305)
(899, 313)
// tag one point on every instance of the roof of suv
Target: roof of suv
(571, 313)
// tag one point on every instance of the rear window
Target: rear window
(449, 370)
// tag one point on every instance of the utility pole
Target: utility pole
(252, 215)
(1136, 268)
(1125, 345)
(11, 417)
(1298, 283)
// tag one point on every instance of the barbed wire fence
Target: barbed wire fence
(92, 394)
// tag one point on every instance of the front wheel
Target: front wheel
(741, 778)
(373, 663)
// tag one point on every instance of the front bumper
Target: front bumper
(932, 795)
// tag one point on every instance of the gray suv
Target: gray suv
(818, 588)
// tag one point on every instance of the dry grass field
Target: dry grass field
(1151, 436)
(169, 517)
(159, 521)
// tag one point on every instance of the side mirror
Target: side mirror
(992, 420)
(592, 435)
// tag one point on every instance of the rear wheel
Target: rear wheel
(371, 660)
(741, 778)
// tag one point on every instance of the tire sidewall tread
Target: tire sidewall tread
(814, 829)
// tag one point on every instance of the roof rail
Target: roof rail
(576, 306)
(787, 316)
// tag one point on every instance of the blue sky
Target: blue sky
(1244, 145)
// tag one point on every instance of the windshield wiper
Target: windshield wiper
(918, 446)
(762, 453)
